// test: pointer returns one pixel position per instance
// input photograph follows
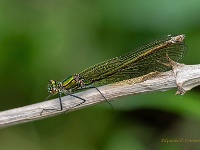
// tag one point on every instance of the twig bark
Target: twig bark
(185, 77)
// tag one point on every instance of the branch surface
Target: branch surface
(183, 77)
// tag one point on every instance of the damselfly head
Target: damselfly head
(53, 87)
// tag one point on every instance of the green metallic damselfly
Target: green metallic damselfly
(139, 62)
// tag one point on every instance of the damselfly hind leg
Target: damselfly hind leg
(89, 87)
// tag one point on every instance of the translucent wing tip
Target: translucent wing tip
(176, 39)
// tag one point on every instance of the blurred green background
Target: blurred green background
(42, 40)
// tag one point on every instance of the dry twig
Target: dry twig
(185, 77)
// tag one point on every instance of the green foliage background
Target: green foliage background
(42, 40)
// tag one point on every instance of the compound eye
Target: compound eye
(49, 89)
(52, 82)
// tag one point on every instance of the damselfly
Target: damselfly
(136, 63)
